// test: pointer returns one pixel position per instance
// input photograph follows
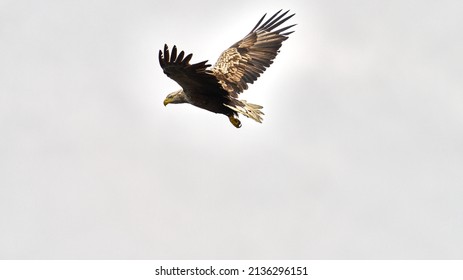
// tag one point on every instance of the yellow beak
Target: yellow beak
(167, 101)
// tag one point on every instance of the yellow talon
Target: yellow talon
(236, 122)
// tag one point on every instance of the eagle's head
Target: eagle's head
(175, 97)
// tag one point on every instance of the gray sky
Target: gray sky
(360, 154)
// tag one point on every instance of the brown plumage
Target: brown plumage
(216, 89)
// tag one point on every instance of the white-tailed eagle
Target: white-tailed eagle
(216, 89)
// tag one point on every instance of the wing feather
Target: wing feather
(194, 78)
(247, 59)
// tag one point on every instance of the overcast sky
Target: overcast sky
(360, 155)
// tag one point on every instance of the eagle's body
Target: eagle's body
(217, 89)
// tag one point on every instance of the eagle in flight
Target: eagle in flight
(216, 89)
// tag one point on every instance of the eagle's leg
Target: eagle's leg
(235, 121)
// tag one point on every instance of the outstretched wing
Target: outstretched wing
(243, 62)
(191, 77)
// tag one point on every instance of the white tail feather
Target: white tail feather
(248, 109)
